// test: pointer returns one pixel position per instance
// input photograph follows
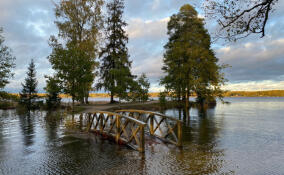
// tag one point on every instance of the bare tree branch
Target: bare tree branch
(239, 18)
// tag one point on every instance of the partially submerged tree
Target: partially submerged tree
(28, 94)
(140, 89)
(144, 86)
(189, 62)
(74, 70)
(115, 71)
(6, 62)
(53, 89)
(75, 49)
(240, 18)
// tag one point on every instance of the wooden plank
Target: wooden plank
(117, 128)
(142, 139)
(179, 125)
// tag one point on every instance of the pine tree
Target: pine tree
(144, 87)
(6, 62)
(115, 68)
(140, 89)
(53, 89)
(189, 62)
(28, 94)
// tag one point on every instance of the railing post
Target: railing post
(101, 122)
(179, 129)
(142, 139)
(81, 122)
(88, 122)
(117, 128)
(151, 124)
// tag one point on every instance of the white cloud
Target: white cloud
(155, 4)
(151, 66)
(255, 60)
(139, 28)
(255, 86)
(156, 88)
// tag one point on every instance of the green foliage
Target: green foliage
(74, 61)
(189, 62)
(28, 95)
(53, 89)
(115, 75)
(140, 88)
(7, 96)
(144, 85)
(7, 105)
(74, 70)
(6, 62)
(162, 99)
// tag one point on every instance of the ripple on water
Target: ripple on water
(245, 137)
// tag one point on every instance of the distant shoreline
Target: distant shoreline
(268, 93)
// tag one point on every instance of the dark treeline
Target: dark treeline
(269, 93)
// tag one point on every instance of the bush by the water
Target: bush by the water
(8, 101)
(162, 99)
(8, 96)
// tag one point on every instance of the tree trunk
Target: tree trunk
(87, 100)
(179, 96)
(73, 104)
(187, 99)
(29, 102)
(111, 98)
(82, 100)
(86, 97)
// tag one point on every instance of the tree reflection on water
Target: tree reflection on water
(201, 153)
(51, 146)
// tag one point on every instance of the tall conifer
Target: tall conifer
(29, 91)
(7, 62)
(115, 68)
(189, 62)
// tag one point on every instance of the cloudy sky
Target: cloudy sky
(256, 64)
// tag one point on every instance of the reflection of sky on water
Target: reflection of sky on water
(244, 137)
(92, 99)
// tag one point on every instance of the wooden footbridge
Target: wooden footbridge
(130, 126)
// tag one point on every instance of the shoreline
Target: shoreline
(105, 105)
(264, 93)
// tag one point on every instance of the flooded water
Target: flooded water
(91, 99)
(96, 99)
(243, 137)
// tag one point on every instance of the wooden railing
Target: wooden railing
(159, 125)
(123, 128)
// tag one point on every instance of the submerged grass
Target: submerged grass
(8, 105)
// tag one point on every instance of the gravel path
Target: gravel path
(105, 106)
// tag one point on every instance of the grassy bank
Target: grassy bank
(92, 95)
(9, 100)
(8, 105)
(269, 93)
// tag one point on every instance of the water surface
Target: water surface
(244, 137)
